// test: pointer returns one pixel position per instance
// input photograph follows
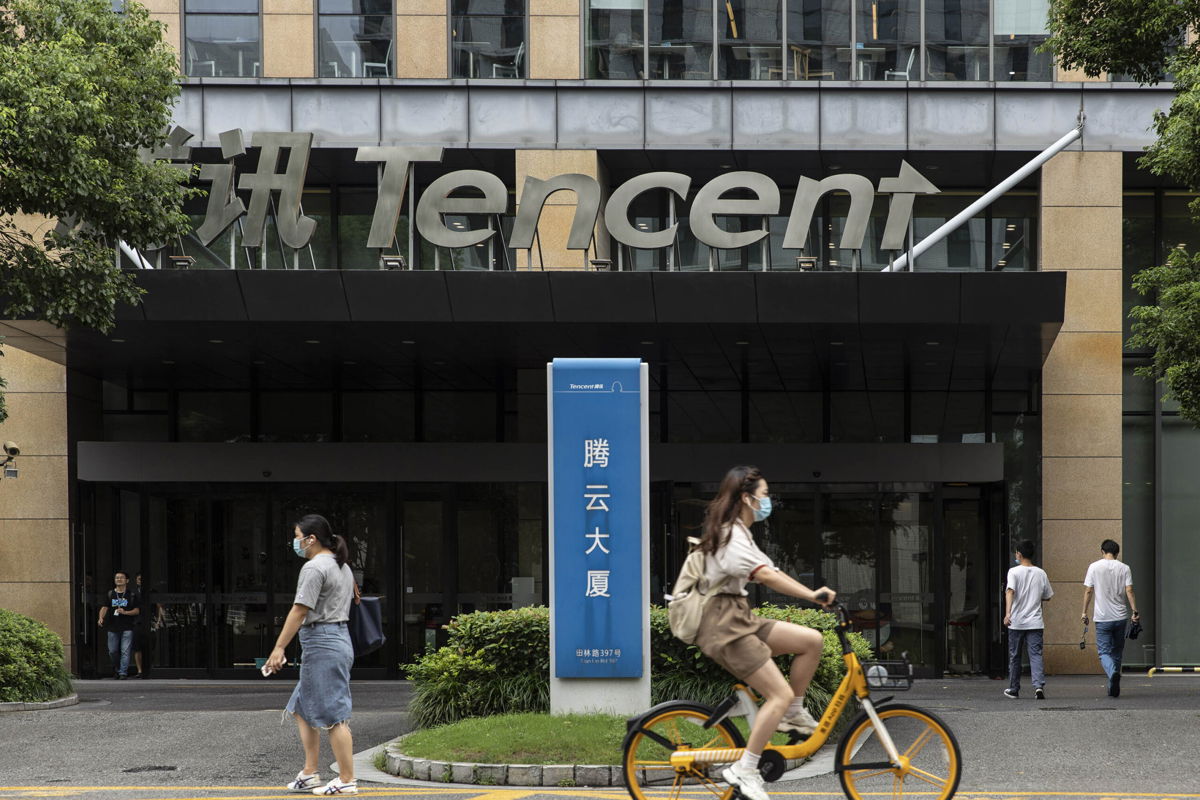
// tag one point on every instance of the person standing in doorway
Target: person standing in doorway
(1110, 582)
(118, 618)
(321, 700)
(1028, 587)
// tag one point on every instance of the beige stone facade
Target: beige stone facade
(557, 215)
(35, 546)
(1081, 389)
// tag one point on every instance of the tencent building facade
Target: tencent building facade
(414, 206)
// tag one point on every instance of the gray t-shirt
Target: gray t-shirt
(1030, 587)
(325, 589)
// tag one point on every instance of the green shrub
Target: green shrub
(498, 662)
(31, 661)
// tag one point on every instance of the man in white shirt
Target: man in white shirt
(1111, 583)
(1027, 588)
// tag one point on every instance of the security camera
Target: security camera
(11, 449)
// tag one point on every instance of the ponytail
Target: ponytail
(318, 526)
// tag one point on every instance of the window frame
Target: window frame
(525, 32)
(393, 52)
(183, 35)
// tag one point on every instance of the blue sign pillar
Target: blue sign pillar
(599, 535)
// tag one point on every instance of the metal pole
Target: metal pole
(901, 263)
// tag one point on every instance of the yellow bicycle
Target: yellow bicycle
(890, 748)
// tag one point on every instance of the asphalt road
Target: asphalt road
(176, 740)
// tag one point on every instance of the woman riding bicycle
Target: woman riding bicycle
(743, 643)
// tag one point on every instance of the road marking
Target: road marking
(519, 793)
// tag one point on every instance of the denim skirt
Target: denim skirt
(322, 697)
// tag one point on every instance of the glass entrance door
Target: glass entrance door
(218, 573)
(907, 561)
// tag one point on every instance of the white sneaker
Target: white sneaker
(304, 783)
(802, 723)
(336, 786)
(749, 783)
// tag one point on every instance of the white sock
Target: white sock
(795, 708)
(748, 762)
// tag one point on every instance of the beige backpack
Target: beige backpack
(689, 595)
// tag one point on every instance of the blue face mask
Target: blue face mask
(764, 509)
(296, 548)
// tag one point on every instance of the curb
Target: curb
(62, 702)
(466, 773)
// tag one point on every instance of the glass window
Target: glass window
(615, 39)
(1137, 531)
(680, 39)
(1137, 251)
(818, 33)
(956, 40)
(750, 33)
(214, 416)
(295, 416)
(461, 416)
(1178, 636)
(378, 416)
(487, 39)
(1019, 29)
(887, 40)
(354, 39)
(785, 417)
(222, 39)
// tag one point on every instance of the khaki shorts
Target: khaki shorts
(734, 637)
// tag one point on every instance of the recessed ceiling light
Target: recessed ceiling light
(439, 363)
(1006, 245)
(258, 363)
(643, 226)
(117, 341)
(839, 363)
(1011, 228)
(837, 344)
(312, 341)
(931, 363)
(350, 363)
(407, 341)
(168, 362)
(933, 344)
(647, 341)
(1001, 263)
(216, 341)
(742, 342)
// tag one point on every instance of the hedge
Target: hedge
(498, 662)
(31, 661)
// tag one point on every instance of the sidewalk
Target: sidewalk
(207, 733)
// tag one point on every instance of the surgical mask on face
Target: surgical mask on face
(297, 548)
(764, 509)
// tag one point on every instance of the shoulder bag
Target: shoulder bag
(366, 623)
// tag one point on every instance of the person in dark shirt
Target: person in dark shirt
(118, 618)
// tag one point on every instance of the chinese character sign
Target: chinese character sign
(597, 464)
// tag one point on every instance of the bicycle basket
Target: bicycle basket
(891, 675)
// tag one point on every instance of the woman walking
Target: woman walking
(743, 643)
(321, 700)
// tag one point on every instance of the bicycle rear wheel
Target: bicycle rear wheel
(933, 761)
(678, 726)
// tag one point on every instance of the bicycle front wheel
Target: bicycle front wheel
(678, 726)
(932, 761)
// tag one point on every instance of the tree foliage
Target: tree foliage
(1145, 39)
(84, 92)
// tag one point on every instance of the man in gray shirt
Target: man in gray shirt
(1027, 588)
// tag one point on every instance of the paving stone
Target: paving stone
(525, 775)
(420, 768)
(556, 774)
(491, 774)
(462, 773)
(592, 775)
